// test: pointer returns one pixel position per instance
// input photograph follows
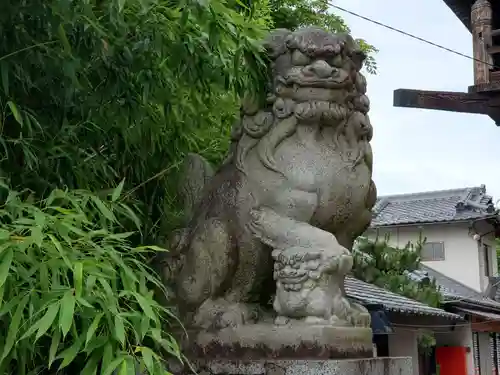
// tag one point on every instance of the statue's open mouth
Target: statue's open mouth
(313, 82)
(292, 278)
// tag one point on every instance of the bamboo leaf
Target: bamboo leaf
(113, 365)
(14, 326)
(117, 192)
(103, 209)
(15, 112)
(4, 69)
(44, 324)
(119, 329)
(54, 346)
(5, 265)
(64, 39)
(107, 357)
(145, 306)
(121, 4)
(93, 327)
(147, 357)
(66, 312)
(78, 279)
(70, 354)
(91, 366)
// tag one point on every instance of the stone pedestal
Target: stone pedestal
(371, 366)
(291, 341)
(292, 349)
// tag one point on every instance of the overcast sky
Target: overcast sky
(419, 150)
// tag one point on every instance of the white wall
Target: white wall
(463, 257)
(404, 343)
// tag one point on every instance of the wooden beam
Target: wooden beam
(493, 50)
(462, 102)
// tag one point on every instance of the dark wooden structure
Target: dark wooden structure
(482, 18)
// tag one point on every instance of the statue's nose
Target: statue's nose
(321, 69)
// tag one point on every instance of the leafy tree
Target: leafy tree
(94, 93)
(378, 263)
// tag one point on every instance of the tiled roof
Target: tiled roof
(433, 206)
(453, 290)
(370, 294)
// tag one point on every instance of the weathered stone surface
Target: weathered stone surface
(296, 183)
(373, 366)
(261, 341)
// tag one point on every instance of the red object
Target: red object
(452, 360)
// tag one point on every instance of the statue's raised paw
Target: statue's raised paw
(219, 314)
(359, 315)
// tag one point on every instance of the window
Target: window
(486, 255)
(432, 251)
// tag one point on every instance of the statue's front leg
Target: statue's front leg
(310, 267)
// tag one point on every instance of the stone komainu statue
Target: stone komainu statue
(298, 175)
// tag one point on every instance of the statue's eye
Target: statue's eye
(336, 61)
(298, 58)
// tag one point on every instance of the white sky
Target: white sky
(419, 150)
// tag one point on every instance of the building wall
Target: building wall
(404, 343)
(460, 336)
(464, 260)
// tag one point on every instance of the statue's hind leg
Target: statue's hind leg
(206, 264)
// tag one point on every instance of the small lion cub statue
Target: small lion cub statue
(308, 288)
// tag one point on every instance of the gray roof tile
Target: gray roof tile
(453, 290)
(372, 294)
(433, 206)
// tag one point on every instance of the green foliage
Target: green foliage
(74, 291)
(95, 92)
(388, 267)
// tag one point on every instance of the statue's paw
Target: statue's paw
(281, 320)
(256, 223)
(237, 314)
(345, 263)
(359, 316)
(316, 320)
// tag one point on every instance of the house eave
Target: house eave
(494, 216)
(419, 223)
(465, 303)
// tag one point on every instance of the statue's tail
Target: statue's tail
(196, 175)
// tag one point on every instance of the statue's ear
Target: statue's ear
(358, 57)
(276, 42)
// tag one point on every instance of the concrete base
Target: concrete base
(269, 341)
(371, 366)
